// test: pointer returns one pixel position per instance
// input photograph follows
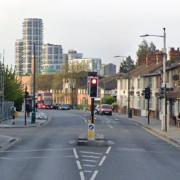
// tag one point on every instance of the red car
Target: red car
(104, 109)
(43, 106)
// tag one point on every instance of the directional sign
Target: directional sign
(91, 127)
(91, 132)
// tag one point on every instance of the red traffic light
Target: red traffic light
(94, 81)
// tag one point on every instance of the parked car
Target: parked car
(64, 107)
(103, 109)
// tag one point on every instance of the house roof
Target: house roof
(108, 83)
(143, 69)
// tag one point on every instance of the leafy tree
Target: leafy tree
(144, 49)
(127, 65)
(44, 82)
(13, 89)
(108, 100)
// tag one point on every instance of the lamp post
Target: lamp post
(25, 97)
(164, 120)
(33, 118)
(128, 102)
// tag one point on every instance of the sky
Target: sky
(97, 28)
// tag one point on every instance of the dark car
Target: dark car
(104, 109)
(65, 107)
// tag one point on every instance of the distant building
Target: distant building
(19, 57)
(32, 35)
(86, 64)
(109, 69)
(72, 54)
(52, 60)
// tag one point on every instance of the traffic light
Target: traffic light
(147, 93)
(93, 84)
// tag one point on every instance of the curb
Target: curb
(157, 133)
(41, 124)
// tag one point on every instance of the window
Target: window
(50, 50)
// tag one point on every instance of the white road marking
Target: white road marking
(89, 160)
(110, 126)
(89, 165)
(85, 120)
(108, 150)
(78, 164)
(37, 157)
(94, 175)
(82, 175)
(102, 161)
(75, 153)
(88, 152)
(36, 150)
(88, 171)
(95, 157)
(4, 158)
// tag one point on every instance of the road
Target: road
(51, 153)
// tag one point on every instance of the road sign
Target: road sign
(91, 131)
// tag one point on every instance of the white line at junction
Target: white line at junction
(75, 153)
(88, 152)
(94, 175)
(82, 175)
(102, 160)
(78, 164)
(108, 150)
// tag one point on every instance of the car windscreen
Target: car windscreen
(106, 106)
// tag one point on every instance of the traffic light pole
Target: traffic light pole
(148, 111)
(92, 110)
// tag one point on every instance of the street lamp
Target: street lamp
(164, 121)
(33, 118)
(128, 78)
(25, 102)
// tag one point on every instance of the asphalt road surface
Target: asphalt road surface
(51, 152)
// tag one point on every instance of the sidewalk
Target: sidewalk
(41, 119)
(172, 135)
